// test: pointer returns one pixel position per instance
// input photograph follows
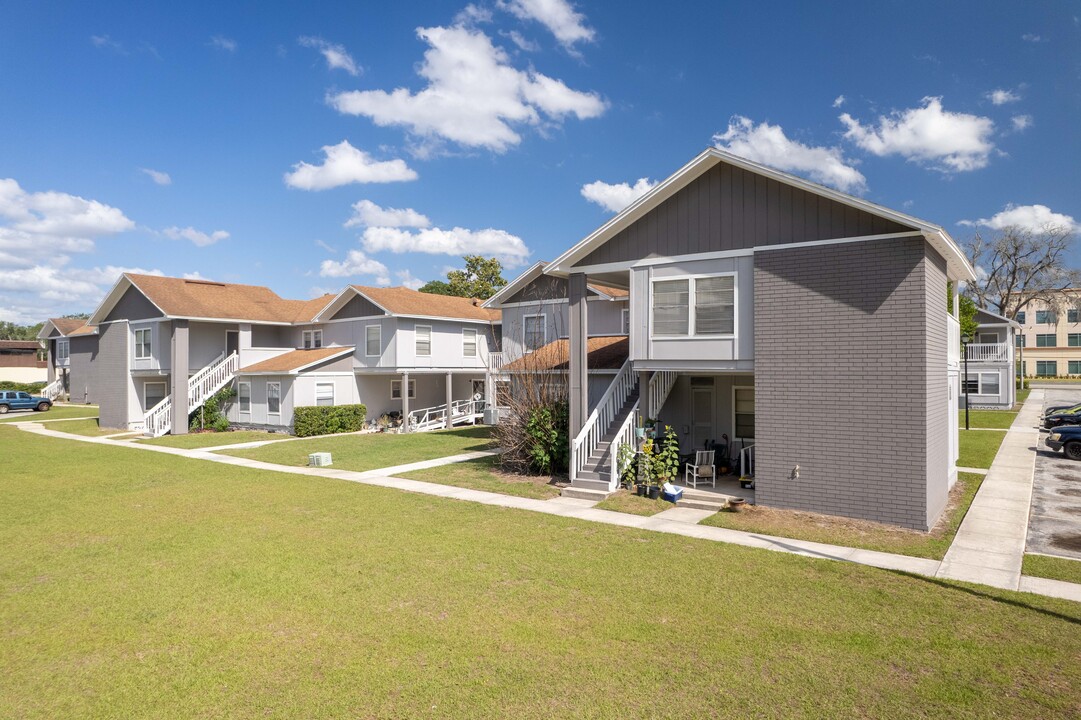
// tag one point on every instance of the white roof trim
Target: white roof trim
(935, 234)
(997, 316)
(335, 306)
(508, 290)
(113, 297)
(341, 298)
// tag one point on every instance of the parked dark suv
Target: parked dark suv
(19, 400)
(1067, 439)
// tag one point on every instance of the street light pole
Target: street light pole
(965, 340)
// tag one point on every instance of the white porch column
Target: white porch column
(405, 402)
(578, 342)
(450, 398)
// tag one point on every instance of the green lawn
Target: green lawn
(1022, 396)
(135, 584)
(1000, 419)
(627, 502)
(56, 413)
(369, 452)
(483, 474)
(212, 439)
(89, 426)
(977, 448)
(1052, 567)
(858, 533)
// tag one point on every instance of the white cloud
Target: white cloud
(107, 43)
(947, 141)
(407, 280)
(839, 101)
(1001, 97)
(337, 56)
(618, 196)
(559, 16)
(769, 145)
(473, 15)
(1028, 217)
(1021, 122)
(198, 237)
(223, 43)
(355, 263)
(523, 44)
(509, 249)
(368, 214)
(344, 164)
(159, 177)
(35, 293)
(1033, 38)
(474, 97)
(325, 246)
(194, 276)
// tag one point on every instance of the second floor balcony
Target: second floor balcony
(988, 352)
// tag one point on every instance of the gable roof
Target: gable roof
(31, 345)
(536, 270)
(996, 319)
(184, 298)
(957, 263)
(606, 352)
(66, 327)
(412, 303)
(295, 361)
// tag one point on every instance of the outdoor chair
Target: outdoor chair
(701, 470)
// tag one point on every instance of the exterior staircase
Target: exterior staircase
(54, 389)
(220, 372)
(596, 469)
(593, 471)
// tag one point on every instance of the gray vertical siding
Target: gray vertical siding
(358, 307)
(728, 208)
(114, 378)
(845, 336)
(133, 305)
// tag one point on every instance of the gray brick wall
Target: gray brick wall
(849, 364)
(113, 375)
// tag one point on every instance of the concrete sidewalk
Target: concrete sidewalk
(990, 544)
(671, 521)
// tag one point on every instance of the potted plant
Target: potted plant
(665, 463)
(644, 468)
(627, 464)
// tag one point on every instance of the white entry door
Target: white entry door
(702, 410)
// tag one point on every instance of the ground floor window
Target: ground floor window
(153, 393)
(1075, 367)
(743, 407)
(1047, 368)
(396, 389)
(273, 398)
(243, 395)
(324, 393)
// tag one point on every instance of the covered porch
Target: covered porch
(426, 398)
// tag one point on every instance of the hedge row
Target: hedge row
(24, 387)
(328, 419)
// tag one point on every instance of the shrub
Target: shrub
(328, 419)
(34, 387)
(549, 438)
(211, 416)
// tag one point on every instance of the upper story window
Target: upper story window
(1019, 339)
(714, 309)
(1045, 340)
(1021, 318)
(423, 335)
(373, 340)
(625, 324)
(1071, 315)
(469, 342)
(313, 339)
(1045, 317)
(534, 332)
(1073, 340)
(989, 338)
(62, 349)
(143, 347)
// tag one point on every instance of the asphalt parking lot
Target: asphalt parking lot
(1054, 526)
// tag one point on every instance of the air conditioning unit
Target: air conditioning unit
(319, 459)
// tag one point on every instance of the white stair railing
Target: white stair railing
(159, 419)
(987, 352)
(598, 422)
(660, 385)
(434, 418)
(53, 389)
(210, 379)
(746, 462)
(624, 436)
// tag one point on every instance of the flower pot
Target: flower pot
(654, 492)
(640, 490)
(737, 504)
(640, 432)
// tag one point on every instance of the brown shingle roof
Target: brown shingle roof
(609, 290)
(295, 359)
(403, 301)
(20, 345)
(83, 330)
(205, 299)
(605, 353)
(66, 326)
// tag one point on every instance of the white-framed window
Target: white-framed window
(422, 335)
(373, 340)
(273, 398)
(63, 349)
(988, 338)
(625, 321)
(534, 332)
(313, 339)
(742, 412)
(469, 342)
(153, 393)
(143, 343)
(324, 393)
(396, 389)
(984, 383)
(695, 306)
(243, 396)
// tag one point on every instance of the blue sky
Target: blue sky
(306, 146)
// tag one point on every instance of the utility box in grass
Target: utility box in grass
(319, 459)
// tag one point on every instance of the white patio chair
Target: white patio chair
(701, 470)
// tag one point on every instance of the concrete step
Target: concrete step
(593, 482)
(584, 493)
(717, 504)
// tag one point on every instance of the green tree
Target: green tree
(436, 287)
(481, 278)
(11, 331)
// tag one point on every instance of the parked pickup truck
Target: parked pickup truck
(18, 400)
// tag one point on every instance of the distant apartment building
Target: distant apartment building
(1049, 343)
